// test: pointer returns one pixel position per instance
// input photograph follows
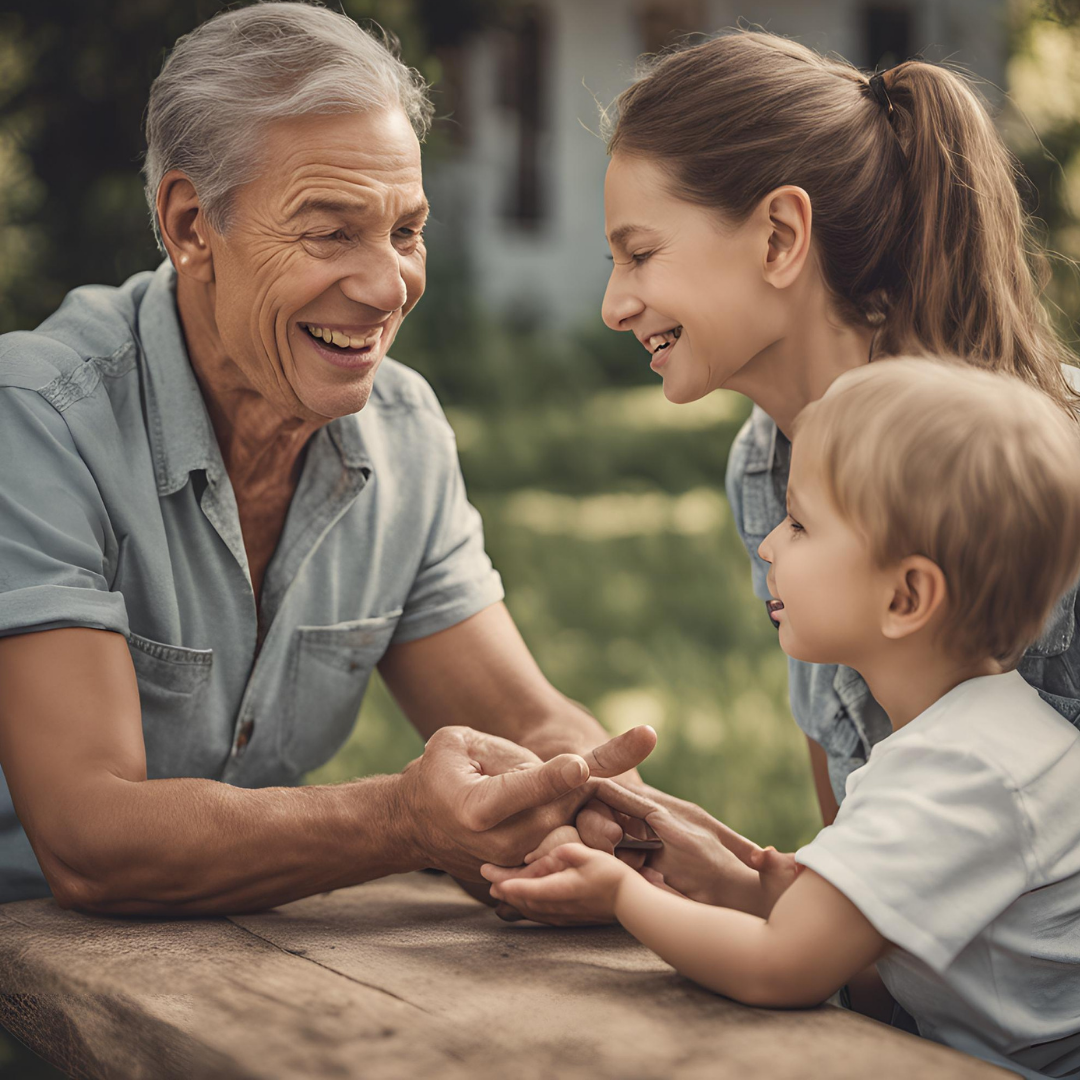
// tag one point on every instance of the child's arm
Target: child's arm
(814, 940)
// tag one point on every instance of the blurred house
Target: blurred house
(518, 201)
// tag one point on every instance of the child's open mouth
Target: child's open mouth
(774, 607)
(659, 342)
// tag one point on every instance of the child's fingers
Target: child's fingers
(537, 892)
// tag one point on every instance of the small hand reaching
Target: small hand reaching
(571, 881)
(776, 869)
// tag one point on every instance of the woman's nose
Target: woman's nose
(619, 306)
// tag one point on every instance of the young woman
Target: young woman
(776, 218)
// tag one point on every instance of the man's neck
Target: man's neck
(259, 444)
(907, 679)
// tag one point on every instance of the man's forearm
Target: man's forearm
(198, 847)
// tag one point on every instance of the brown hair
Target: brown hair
(974, 470)
(917, 219)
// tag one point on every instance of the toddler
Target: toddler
(933, 521)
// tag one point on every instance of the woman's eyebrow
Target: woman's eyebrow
(620, 235)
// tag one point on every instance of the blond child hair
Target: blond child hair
(975, 470)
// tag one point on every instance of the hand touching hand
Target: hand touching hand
(473, 797)
(572, 882)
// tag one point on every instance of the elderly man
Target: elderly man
(222, 505)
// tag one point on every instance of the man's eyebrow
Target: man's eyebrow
(620, 235)
(346, 207)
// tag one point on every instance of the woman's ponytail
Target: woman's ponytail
(968, 278)
(917, 218)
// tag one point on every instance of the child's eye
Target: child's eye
(794, 525)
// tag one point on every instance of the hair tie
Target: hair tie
(881, 95)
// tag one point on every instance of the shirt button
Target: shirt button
(243, 737)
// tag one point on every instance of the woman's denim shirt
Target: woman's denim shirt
(830, 702)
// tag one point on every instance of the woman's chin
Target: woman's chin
(679, 393)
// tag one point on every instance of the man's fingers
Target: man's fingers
(564, 834)
(622, 753)
(493, 799)
(625, 799)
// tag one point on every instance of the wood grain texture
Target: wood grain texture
(403, 977)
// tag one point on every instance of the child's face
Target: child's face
(831, 594)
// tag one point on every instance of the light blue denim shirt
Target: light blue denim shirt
(116, 512)
(830, 702)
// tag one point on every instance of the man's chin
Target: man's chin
(326, 401)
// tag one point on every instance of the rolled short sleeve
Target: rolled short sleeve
(931, 846)
(455, 579)
(54, 529)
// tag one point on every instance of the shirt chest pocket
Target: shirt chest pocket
(329, 672)
(172, 695)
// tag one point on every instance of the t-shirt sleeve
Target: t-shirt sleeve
(930, 845)
(455, 579)
(54, 527)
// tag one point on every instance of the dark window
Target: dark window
(888, 32)
(522, 90)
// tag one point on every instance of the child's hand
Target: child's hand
(572, 880)
(777, 870)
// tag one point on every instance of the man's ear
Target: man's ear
(919, 593)
(788, 214)
(184, 229)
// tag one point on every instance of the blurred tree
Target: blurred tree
(74, 79)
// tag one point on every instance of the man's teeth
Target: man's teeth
(342, 341)
(662, 341)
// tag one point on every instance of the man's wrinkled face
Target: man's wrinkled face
(322, 259)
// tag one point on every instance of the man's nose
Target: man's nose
(619, 306)
(376, 281)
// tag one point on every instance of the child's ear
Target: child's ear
(919, 592)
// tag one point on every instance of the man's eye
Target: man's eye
(640, 257)
(337, 234)
(410, 236)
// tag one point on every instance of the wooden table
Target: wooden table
(404, 977)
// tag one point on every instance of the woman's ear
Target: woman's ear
(184, 229)
(919, 593)
(788, 213)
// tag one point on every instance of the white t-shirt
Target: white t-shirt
(959, 840)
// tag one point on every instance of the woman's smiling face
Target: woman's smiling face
(678, 267)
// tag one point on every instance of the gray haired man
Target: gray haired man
(222, 506)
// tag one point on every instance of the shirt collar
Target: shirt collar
(181, 434)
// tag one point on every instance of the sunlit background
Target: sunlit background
(603, 504)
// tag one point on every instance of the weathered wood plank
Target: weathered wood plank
(399, 978)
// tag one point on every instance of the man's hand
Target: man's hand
(474, 798)
(573, 883)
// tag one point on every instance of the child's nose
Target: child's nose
(765, 547)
